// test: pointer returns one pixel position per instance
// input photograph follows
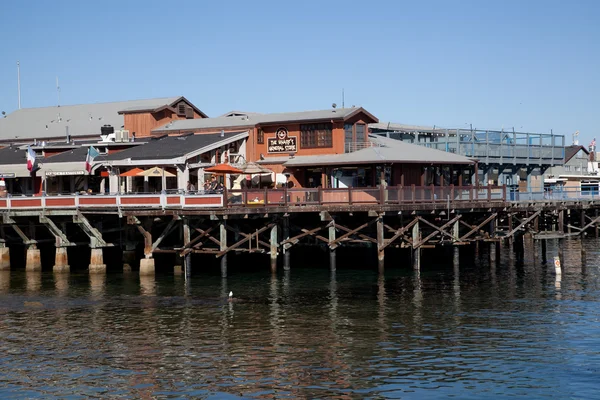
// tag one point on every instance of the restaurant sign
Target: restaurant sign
(64, 173)
(7, 175)
(282, 143)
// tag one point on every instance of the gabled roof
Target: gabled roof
(235, 113)
(73, 155)
(81, 120)
(571, 151)
(251, 120)
(384, 151)
(173, 147)
(166, 103)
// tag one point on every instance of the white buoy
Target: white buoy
(557, 267)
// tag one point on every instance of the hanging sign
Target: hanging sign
(7, 175)
(282, 143)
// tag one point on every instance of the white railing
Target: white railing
(113, 201)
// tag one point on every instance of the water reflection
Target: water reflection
(461, 329)
(61, 283)
(97, 285)
(34, 281)
(147, 285)
(4, 282)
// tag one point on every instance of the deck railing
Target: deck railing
(362, 196)
(296, 197)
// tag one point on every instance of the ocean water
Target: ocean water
(461, 328)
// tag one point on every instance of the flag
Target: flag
(30, 159)
(89, 159)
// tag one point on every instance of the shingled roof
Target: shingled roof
(172, 147)
(253, 119)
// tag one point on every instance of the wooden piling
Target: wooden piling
(4, 258)
(223, 246)
(416, 237)
(273, 248)
(187, 259)
(380, 246)
(332, 255)
(285, 248)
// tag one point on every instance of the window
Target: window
(360, 133)
(348, 138)
(316, 135)
(260, 136)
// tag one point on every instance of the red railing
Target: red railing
(250, 198)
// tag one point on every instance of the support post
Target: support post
(561, 221)
(416, 238)
(147, 266)
(544, 256)
(4, 258)
(223, 241)
(61, 260)
(97, 265)
(34, 262)
(380, 245)
(332, 255)
(273, 249)
(596, 224)
(187, 260)
(285, 248)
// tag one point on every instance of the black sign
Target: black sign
(287, 145)
(282, 133)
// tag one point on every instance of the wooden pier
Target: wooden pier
(277, 222)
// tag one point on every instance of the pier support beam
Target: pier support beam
(223, 243)
(4, 258)
(380, 245)
(273, 249)
(286, 248)
(147, 266)
(332, 250)
(34, 261)
(61, 260)
(97, 265)
(416, 238)
(187, 257)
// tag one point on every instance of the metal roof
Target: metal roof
(394, 127)
(252, 119)
(82, 119)
(74, 155)
(384, 151)
(170, 147)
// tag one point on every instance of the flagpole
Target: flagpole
(19, 82)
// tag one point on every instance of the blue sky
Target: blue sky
(532, 65)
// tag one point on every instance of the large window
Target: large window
(316, 135)
(260, 136)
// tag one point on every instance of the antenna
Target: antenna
(57, 92)
(19, 82)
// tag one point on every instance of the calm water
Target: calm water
(462, 330)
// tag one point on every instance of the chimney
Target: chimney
(67, 132)
(222, 133)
